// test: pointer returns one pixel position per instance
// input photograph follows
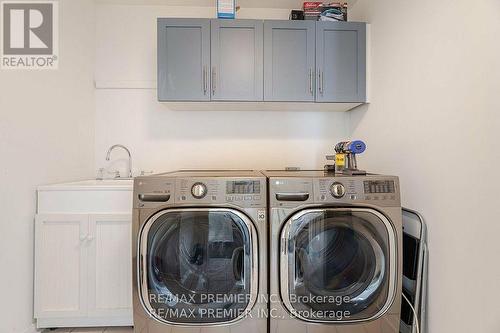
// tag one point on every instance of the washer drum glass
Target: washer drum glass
(198, 266)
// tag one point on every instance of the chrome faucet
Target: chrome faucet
(108, 155)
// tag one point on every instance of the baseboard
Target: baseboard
(68, 322)
(31, 329)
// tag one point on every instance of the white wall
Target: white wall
(46, 136)
(434, 120)
(164, 138)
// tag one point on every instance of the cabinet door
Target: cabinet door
(110, 265)
(237, 60)
(341, 61)
(183, 59)
(289, 60)
(61, 265)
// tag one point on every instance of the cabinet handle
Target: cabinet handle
(83, 237)
(311, 78)
(205, 87)
(320, 73)
(214, 78)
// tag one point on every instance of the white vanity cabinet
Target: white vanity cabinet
(83, 273)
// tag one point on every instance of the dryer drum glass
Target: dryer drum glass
(337, 264)
(198, 262)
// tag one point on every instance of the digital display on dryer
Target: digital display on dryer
(379, 186)
(243, 187)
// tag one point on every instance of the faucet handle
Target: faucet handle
(100, 174)
(116, 173)
(144, 173)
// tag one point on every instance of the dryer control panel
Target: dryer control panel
(370, 189)
(380, 191)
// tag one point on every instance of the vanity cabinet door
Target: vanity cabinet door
(289, 61)
(110, 265)
(61, 265)
(83, 270)
(341, 62)
(237, 60)
(183, 59)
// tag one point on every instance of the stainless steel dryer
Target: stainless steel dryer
(335, 244)
(200, 252)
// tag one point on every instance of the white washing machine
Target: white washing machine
(336, 253)
(200, 252)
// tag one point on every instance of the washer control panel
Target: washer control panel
(199, 190)
(151, 192)
(240, 192)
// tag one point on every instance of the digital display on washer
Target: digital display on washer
(243, 187)
(379, 186)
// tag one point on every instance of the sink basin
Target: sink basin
(87, 196)
(91, 184)
(103, 182)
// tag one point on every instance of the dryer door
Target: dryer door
(198, 266)
(338, 265)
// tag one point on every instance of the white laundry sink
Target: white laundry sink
(86, 196)
(106, 183)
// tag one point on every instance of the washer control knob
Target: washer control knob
(199, 190)
(337, 190)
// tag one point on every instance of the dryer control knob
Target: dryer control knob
(337, 190)
(199, 190)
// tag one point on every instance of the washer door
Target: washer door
(198, 266)
(338, 264)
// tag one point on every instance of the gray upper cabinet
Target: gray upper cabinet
(256, 60)
(289, 60)
(183, 59)
(341, 61)
(237, 60)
